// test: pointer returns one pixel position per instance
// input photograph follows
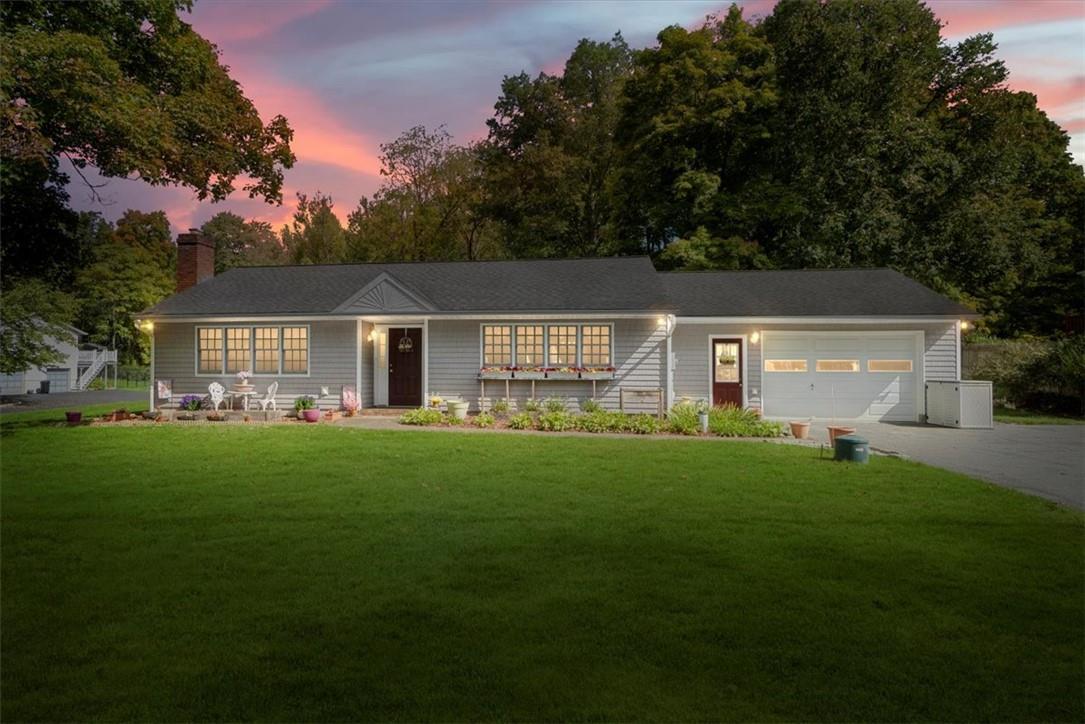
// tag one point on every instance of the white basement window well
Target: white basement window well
(785, 365)
(837, 365)
(889, 365)
(261, 350)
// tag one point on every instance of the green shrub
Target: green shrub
(500, 408)
(556, 421)
(682, 419)
(589, 406)
(599, 421)
(531, 405)
(422, 416)
(735, 422)
(484, 419)
(453, 420)
(642, 424)
(305, 402)
(554, 404)
(1036, 373)
(521, 421)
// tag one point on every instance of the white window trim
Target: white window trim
(546, 339)
(252, 350)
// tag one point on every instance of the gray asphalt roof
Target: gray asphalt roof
(559, 285)
(805, 293)
(612, 284)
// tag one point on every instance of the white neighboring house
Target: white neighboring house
(75, 371)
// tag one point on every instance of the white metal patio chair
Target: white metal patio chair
(217, 393)
(268, 403)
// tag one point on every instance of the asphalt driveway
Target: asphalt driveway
(70, 400)
(1043, 460)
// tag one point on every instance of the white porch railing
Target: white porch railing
(91, 364)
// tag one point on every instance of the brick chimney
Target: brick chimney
(195, 259)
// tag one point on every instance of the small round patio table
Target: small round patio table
(244, 395)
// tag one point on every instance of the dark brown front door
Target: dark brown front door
(405, 367)
(727, 365)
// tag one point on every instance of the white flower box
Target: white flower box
(563, 375)
(597, 375)
(495, 375)
(529, 375)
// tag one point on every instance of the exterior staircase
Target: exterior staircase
(91, 364)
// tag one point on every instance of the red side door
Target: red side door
(727, 365)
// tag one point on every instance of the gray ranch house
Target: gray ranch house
(855, 344)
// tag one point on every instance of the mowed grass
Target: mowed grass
(324, 573)
(1013, 416)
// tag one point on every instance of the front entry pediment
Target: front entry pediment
(385, 295)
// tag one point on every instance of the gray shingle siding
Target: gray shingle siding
(454, 360)
(332, 362)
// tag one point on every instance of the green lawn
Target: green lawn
(1028, 417)
(324, 573)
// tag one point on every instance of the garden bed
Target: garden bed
(552, 416)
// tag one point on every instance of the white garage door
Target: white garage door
(58, 380)
(847, 376)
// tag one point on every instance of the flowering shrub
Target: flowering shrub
(531, 405)
(484, 419)
(501, 407)
(421, 416)
(191, 403)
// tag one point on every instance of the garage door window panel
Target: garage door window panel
(889, 365)
(785, 365)
(837, 365)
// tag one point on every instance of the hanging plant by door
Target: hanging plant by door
(727, 360)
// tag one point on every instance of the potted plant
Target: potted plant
(727, 360)
(305, 407)
(74, 417)
(188, 406)
(435, 401)
(702, 415)
(243, 384)
(799, 429)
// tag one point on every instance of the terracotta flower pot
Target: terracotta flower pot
(836, 431)
(799, 430)
(312, 415)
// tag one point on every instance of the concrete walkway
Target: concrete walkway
(71, 400)
(1043, 460)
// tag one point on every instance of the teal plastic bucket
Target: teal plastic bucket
(852, 449)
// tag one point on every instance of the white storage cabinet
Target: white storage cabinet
(960, 403)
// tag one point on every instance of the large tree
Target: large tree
(848, 133)
(242, 243)
(32, 316)
(132, 268)
(132, 89)
(315, 236)
(429, 207)
(550, 158)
